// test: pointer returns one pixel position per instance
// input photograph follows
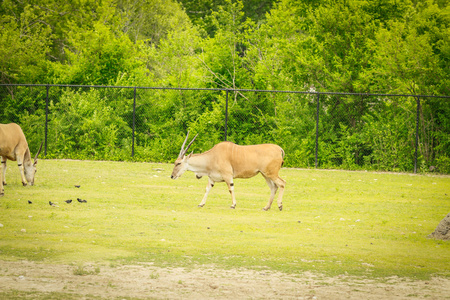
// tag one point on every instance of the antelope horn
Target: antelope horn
(187, 148)
(182, 146)
(39, 151)
(183, 150)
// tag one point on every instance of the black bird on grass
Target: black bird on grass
(29, 202)
(77, 186)
(81, 200)
(68, 201)
(52, 204)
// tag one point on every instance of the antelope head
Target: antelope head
(30, 169)
(181, 162)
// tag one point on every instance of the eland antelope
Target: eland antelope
(226, 161)
(14, 146)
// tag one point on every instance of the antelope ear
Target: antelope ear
(189, 156)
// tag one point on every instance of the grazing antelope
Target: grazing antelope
(226, 161)
(14, 146)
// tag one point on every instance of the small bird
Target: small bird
(52, 204)
(68, 201)
(81, 200)
(77, 186)
(29, 202)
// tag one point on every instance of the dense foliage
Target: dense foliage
(349, 46)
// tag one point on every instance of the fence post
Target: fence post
(417, 135)
(134, 121)
(317, 128)
(226, 116)
(46, 121)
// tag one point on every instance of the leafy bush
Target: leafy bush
(83, 124)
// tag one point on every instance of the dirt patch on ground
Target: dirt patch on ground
(145, 281)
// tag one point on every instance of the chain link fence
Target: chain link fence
(387, 132)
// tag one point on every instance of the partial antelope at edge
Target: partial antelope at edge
(14, 146)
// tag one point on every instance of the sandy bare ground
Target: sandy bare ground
(145, 281)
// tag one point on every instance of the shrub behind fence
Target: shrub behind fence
(325, 130)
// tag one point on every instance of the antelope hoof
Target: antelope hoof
(24, 183)
(201, 205)
(280, 207)
(266, 209)
(4, 183)
(2, 194)
(233, 206)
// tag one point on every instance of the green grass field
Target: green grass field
(333, 222)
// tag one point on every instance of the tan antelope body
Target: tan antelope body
(14, 146)
(226, 161)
